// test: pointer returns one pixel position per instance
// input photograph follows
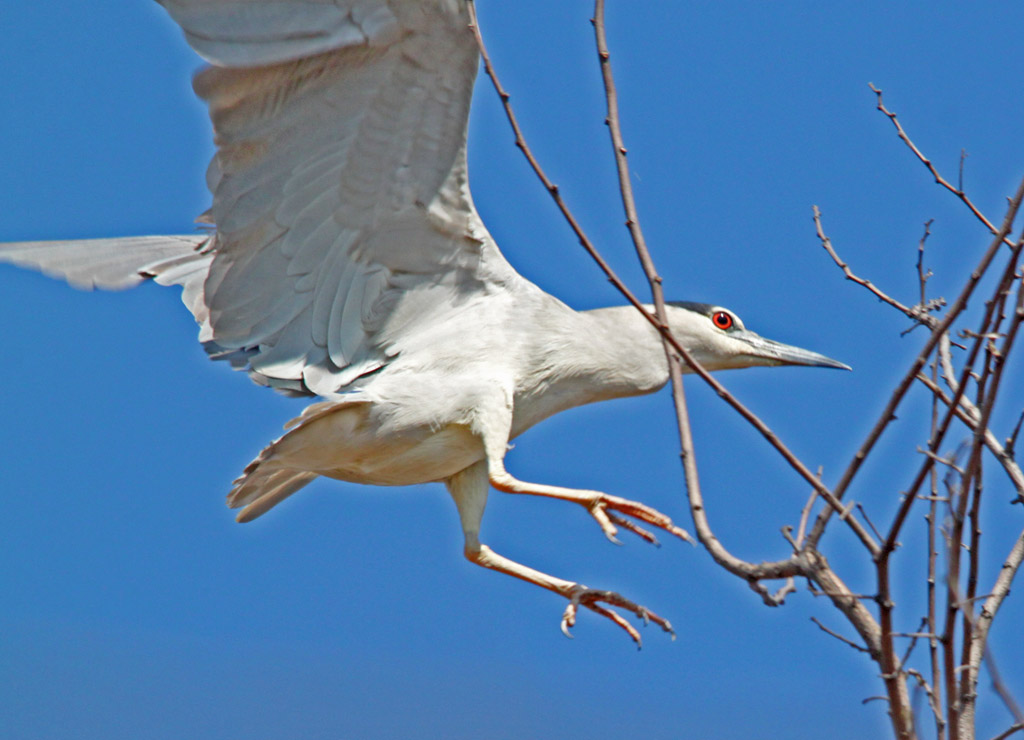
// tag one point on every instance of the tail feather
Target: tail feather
(265, 482)
(269, 479)
(264, 491)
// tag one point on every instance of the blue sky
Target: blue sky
(134, 606)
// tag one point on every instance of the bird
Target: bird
(343, 258)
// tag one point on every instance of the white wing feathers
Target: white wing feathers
(340, 192)
(335, 173)
(238, 33)
(110, 264)
(121, 263)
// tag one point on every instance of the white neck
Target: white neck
(582, 357)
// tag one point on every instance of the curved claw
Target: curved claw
(591, 598)
(603, 508)
(569, 619)
(604, 521)
(634, 528)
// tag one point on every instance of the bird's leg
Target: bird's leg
(469, 490)
(576, 593)
(493, 425)
(600, 505)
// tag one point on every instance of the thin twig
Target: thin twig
(878, 293)
(1009, 731)
(887, 415)
(958, 192)
(922, 274)
(1000, 687)
(932, 518)
(864, 513)
(839, 637)
(949, 462)
(913, 640)
(780, 569)
(933, 700)
(686, 452)
(1011, 441)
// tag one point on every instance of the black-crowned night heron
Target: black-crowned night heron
(348, 262)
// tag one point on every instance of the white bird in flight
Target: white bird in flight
(349, 262)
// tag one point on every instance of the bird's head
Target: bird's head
(718, 340)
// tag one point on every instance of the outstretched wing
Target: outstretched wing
(344, 224)
(340, 186)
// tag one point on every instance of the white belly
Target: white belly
(362, 443)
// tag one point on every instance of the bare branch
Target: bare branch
(913, 641)
(675, 371)
(1006, 733)
(839, 637)
(933, 700)
(780, 569)
(878, 293)
(885, 418)
(1001, 688)
(958, 192)
(932, 519)
(1011, 441)
(968, 413)
(871, 524)
(922, 274)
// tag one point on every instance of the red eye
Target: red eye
(722, 320)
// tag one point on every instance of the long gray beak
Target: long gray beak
(768, 352)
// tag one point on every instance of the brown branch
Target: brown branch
(958, 191)
(839, 637)
(932, 518)
(975, 638)
(1011, 730)
(882, 296)
(933, 701)
(1011, 441)
(805, 515)
(864, 513)
(704, 532)
(914, 636)
(687, 451)
(779, 569)
(887, 415)
(969, 414)
(922, 275)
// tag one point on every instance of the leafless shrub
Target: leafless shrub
(961, 368)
